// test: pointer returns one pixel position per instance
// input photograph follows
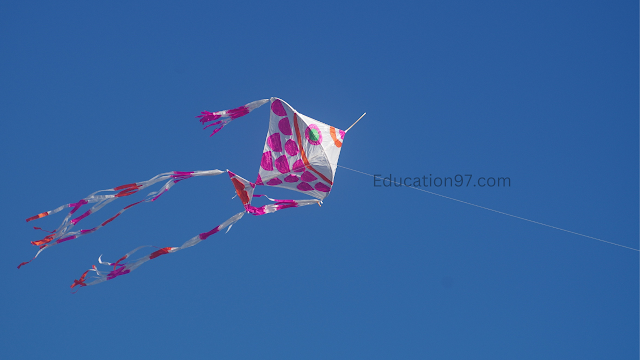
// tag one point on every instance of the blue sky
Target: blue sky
(542, 92)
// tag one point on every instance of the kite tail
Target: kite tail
(103, 197)
(243, 188)
(226, 116)
(123, 268)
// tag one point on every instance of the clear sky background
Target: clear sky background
(543, 92)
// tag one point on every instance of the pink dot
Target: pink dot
(277, 108)
(298, 166)
(274, 142)
(291, 178)
(267, 161)
(303, 186)
(282, 164)
(285, 126)
(274, 182)
(291, 147)
(342, 134)
(322, 187)
(308, 177)
(259, 180)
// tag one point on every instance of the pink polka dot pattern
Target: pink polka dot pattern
(291, 147)
(298, 166)
(282, 164)
(285, 126)
(274, 182)
(303, 186)
(259, 180)
(274, 142)
(322, 187)
(277, 108)
(291, 178)
(308, 177)
(342, 134)
(267, 161)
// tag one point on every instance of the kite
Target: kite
(300, 154)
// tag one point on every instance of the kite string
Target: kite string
(496, 211)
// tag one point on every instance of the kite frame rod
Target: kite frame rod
(355, 122)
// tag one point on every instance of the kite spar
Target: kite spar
(349, 128)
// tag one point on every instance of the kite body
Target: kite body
(300, 154)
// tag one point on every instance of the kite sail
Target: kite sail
(300, 154)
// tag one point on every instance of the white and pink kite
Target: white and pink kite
(300, 154)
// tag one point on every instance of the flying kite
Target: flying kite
(300, 154)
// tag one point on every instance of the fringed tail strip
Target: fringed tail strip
(226, 116)
(102, 198)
